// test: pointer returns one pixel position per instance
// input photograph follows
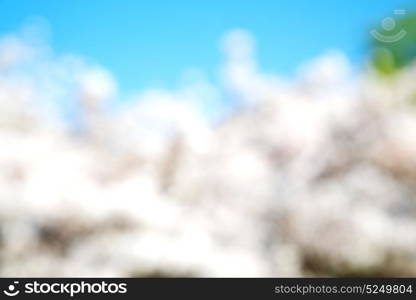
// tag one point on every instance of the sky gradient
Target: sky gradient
(152, 43)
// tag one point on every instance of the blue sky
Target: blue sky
(151, 43)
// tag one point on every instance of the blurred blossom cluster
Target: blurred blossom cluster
(310, 176)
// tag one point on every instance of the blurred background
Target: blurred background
(245, 139)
